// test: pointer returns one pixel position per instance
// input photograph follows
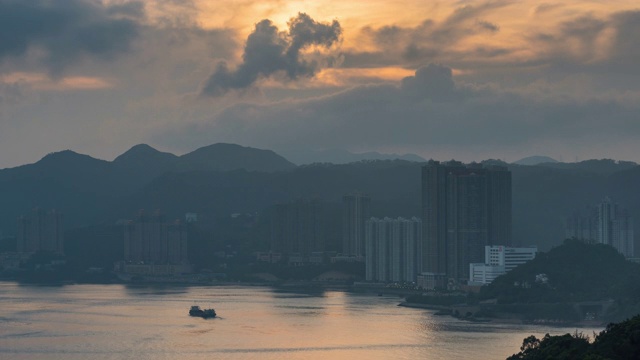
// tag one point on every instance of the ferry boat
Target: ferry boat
(205, 314)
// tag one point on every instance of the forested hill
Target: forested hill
(572, 272)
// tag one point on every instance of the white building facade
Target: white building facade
(498, 261)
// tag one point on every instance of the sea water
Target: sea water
(152, 322)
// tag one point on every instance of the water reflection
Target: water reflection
(155, 289)
(151, 322)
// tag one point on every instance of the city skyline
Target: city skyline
(467, 80)
(364, 179)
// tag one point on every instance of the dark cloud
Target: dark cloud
(605, 49)
(62, 32)
(432, 82)
(269, 51)
(626, 46)
(427, 111)
(131, 9)
(460, 24)
(488, 26)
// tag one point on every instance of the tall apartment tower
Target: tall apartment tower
(41, 231)
(151, 239)
(605, 223)
(296, 228)
(607, 211)
(391, 249)
(464, 209)
(355, 211)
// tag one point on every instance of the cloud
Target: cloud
(545, 7)
(429, 41)
(433, 82)
(606, 49)
(428, 113)
(59, 33)
(488, 26)
(626, 43)
(269, 51)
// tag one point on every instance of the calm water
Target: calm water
(138, 322)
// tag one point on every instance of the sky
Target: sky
(465, 80)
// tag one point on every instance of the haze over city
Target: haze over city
(469, 80)
(319, 179)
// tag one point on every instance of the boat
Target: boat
(203, 313)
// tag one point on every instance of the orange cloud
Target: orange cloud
(41, 81)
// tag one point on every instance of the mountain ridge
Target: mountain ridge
(90, 191)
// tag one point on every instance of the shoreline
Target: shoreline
(444, 310)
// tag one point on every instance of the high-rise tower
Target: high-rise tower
(607, 223)
(464, 208)
(355, 211)
(153, 240)
(41, 231)
(297, 228)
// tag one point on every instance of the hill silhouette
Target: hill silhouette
(535, 160)
(227, 157)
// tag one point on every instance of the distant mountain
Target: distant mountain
(142, 163)
(67, 181)
(89, 190)
(603, 166)
(341, 156)
(226, 157)
(143, 154)
(535, 160)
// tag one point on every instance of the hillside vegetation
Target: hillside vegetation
(617, 342)
(573, 272)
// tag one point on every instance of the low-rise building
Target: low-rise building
(498, 261)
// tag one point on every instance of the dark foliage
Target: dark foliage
(617, 342)
(576, 271)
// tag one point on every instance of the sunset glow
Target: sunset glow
(193, 65)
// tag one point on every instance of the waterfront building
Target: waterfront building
(464, 209)
(41, 231)
(509, 257)
(499, 260)
(355, 211)
(153, 240)
(483, 274)
(391, 249)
